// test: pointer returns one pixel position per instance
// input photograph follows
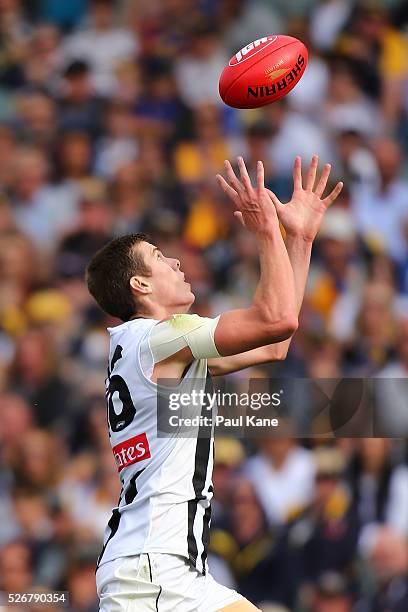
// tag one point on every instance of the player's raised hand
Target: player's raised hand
(254, 205)
(303, 215)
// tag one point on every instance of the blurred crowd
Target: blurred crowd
(111, 122)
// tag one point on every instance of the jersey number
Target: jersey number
(116, 384)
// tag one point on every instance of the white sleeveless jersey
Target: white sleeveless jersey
(164, 504)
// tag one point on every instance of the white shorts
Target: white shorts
(157, 582)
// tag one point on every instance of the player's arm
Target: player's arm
(299, 253)
(196, 338)
(301, 218)
(272, 316)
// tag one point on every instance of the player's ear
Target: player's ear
(140, 285)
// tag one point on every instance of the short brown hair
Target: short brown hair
(109, 272)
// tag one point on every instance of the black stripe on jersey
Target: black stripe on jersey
(191, 541)
(202, 455)
(151, 580)
(132, 491)
(114, 526)
(150, 568)
(157, 599)
(116, 356)
(114, 520)
(206, 534)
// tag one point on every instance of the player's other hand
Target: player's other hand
(303, 215)
(254, 205)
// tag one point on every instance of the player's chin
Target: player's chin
(191, 295)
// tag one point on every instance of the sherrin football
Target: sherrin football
(263, 71)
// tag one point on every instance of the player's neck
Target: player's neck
(160, 313)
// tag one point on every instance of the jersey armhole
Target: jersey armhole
(149, 352)
(146, 357)
(146, 380)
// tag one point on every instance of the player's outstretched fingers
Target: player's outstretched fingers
(311, 173)
(246, 181)
(232, 179)
(333, 195)
(321, 185)
(260, 176)
(297, 173)
(227, 189)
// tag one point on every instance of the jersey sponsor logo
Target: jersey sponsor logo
(131, 451)
(252, 49)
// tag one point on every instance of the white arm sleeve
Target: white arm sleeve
(169, 337)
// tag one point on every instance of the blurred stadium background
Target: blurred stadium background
(110, 122)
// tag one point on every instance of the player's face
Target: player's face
(169, 287)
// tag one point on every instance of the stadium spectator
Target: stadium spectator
(386, 556)
(197, 71)
(283, 477)
(347, 107)
(229, 455)
(323, 538)
(81, 584)
(379, 487)
(102, 45)
(79, 107)
(119, 146)
(34, 373)
(333, 594)
(267, 575)
(36, 119)
(15, 568)
(380, 211)
(336, 275)
(17, 419)
(390, 412)
(15, 31)
(40, 210)
(44, 59)
(7, 156)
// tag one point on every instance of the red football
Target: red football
(262, 72)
